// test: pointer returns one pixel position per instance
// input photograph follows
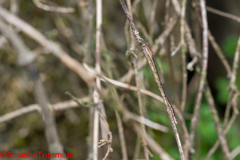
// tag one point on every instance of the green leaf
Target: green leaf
(222, 93)
(229, 45)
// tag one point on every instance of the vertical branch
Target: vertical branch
(145, 50)
(140, 105)
(167, 20)
(98, 83)
(98, 39)
(132, 42)
(152, 19)
(203, 71)
(50, 126)
(232, 85)
(25, 59)
(214, 148)
(90, 132)
(88, 57)
(95, 126)
(217, 123)
(14, 8)
(100, 107)
(184, 50)
(137, 148)
(121, 136)
(98, 61)
(152, 144)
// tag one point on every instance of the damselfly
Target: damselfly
(158, 77)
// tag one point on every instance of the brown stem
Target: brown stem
(203, 71)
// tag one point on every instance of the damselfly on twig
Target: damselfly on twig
(158, 77)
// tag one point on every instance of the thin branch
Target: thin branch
(147, 122)
(157, 80)
(183, 50)
(35, 107)
(159, 42)
(132, 42)
(217, 48)
(217, 123)
(53, 8)
(216, 145)
(235, 66)
(152, 19)
(68, 33)
(109, 142)
(152, 144)
(25, 59)
(176, 6)
(232, 85)
(203, 71)
(235, 152)
(137, 148)
(50, 45)
(121, 136)
(219, 52)
(133, 60)
(192, 48)
(88, 57)
(223, 14)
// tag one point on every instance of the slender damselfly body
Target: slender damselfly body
(158, 77)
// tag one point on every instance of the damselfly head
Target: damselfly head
(145, 44)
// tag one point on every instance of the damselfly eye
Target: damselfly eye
(145, 44)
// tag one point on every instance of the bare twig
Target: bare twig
(159, 42)
(88, 57)
(192, 48)
(203, 71)
(14, 8)
(223, 14)
(133, 60)
(121, 136)
(176, 6)
(214, 148)
(147, 122)
(137, 148)
(109, 142)
(183, 50)
(124, 85)
(232, 85)
(152, 19)
(25, 59)
(235, 65)
(217, 48)
(36, 107)
(50, 45)
(68, 33)
(219, 53)
(53, 8)
(169, 110)
(176, 49)
(95, 125)
(132, 42)
(133, 88)
(235, 152)
(217, 123)
(152, 144)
